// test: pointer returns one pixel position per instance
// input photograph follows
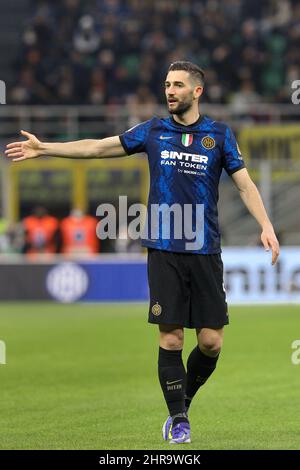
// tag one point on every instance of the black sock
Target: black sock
(199, 368)
(172, 377)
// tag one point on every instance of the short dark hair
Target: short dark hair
(194, 70)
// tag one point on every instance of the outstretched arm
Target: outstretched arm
(252, 200)
(87, 148)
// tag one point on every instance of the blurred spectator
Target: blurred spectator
(16, 236)
(11, 237)
(4, 240)
(86, 39)
(244, 97)
(41, 232)
(78, 233)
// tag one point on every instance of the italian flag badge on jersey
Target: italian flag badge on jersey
(187, 139)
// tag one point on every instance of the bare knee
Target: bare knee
(210, 341)
(171, 337)
(211, 348)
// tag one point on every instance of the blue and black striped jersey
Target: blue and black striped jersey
(185, 165)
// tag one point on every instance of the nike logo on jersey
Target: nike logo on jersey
(166, 137)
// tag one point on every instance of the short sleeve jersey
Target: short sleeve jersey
(185, 164)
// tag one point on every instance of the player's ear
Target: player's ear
(198, 90)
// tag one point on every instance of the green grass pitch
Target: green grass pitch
(85, 377)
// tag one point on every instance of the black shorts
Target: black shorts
(186, 289)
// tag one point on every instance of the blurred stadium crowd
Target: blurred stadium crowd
(116, 51)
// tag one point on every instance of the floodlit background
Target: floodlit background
(77, 358)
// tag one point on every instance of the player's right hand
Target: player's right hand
(30, 148)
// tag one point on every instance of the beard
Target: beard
(181, 108)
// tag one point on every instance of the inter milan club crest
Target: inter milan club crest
(208, 142)
(187, 139)
(156, 309)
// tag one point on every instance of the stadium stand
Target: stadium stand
(105, 51)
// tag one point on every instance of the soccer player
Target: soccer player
(186, 153)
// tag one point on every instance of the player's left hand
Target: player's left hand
(269, 240)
